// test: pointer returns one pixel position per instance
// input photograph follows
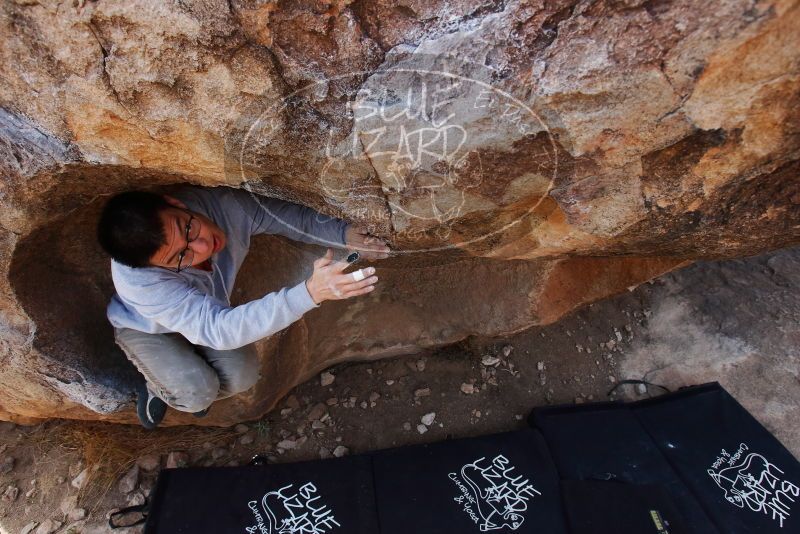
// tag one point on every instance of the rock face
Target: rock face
(522, 158)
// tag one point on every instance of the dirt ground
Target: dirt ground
(737, 322)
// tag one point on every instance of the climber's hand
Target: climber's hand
(329, 283)
(368, 246)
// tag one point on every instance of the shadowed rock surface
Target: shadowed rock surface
(523, 159)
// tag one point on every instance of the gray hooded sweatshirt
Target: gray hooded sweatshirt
(196, 303)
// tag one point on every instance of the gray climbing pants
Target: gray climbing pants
(185, 376)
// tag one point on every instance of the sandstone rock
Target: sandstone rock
(129, 480)
(48, 527)
(636, 140)
(70, 502)
(326, 379)
(77, 514)
(490, 360)
(317, 411)
(287, 444)
(177, 459)
(428, 418)
(136, 499)
(292, 402)
(150, 462)
(79, 481)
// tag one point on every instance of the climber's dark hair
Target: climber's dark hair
(130, 228)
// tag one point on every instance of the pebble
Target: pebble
(324, 453)
(326, 379)
(428, 418)
(10, 494)
(129, 481)
(80, 480)
(467, 389)
(287, 444)
(151, 462)
(333, 401)
(177, 459)
(48, 527)
(374, 396)
(317, 411)
(507, 350)
(421, 364)
(247, 439)
(218, 453)
(612, 378)
(406, 426)
(422, 429)
(241, 429)
(292, 402)
(69, 503)
(422, 392)
(317, 425)
(340, 451)
(76, 514)
(135, 499)
(540, 366)
(578, 400)
(641, 389)
(490, 361)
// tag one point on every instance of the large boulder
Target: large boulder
(522, 158)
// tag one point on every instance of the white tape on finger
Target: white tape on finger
(358, 275)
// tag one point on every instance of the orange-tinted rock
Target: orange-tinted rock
(524, 158)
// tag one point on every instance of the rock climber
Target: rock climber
(174, 259)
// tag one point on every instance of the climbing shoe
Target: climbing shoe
(149, 408)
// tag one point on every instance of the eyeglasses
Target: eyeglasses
(186, 257)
